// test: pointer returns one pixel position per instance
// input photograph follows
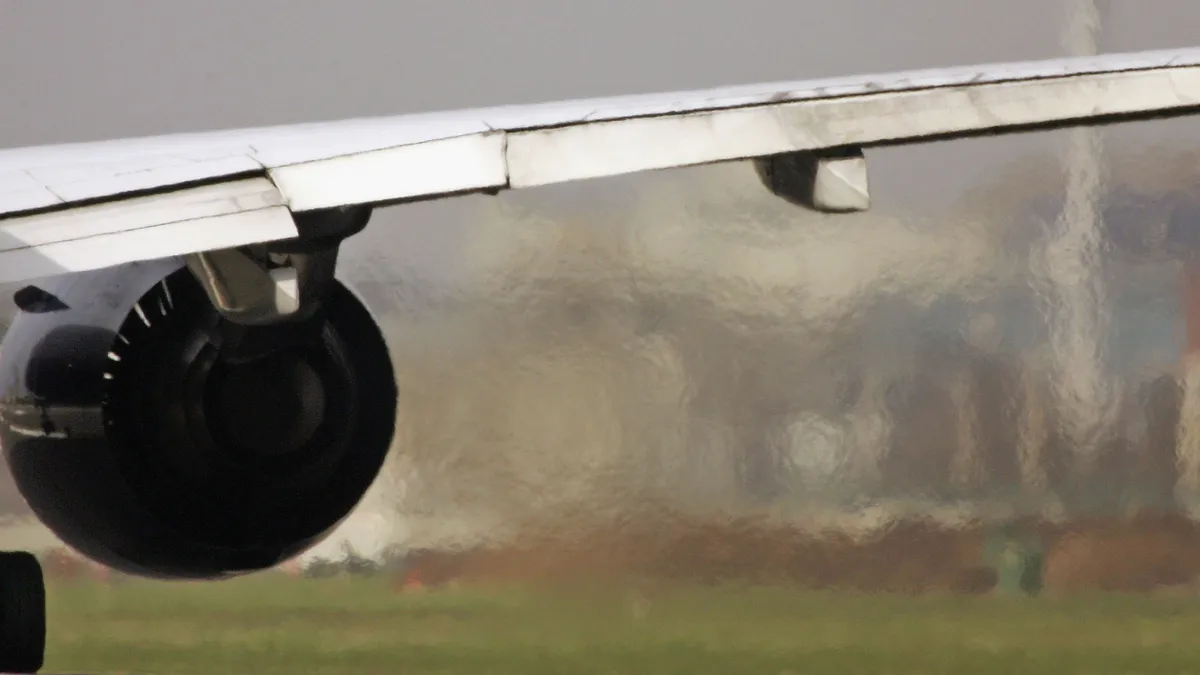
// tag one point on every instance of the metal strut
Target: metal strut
(281, 281)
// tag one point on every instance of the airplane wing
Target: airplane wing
(74, 207)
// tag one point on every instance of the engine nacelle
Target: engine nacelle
(155, 437)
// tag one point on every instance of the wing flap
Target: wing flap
(210, 217)
(576, 152)
(466, 163)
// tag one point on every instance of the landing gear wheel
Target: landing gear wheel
(22, 613)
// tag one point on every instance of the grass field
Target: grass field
(273, 624)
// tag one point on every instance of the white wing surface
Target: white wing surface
(82, 206)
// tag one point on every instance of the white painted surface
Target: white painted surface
(626, 146)
(35, 175)
(437, 167)
(74, 182)
(146, 228)
(842, 184)
(377, 161)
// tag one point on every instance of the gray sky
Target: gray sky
(91, 70)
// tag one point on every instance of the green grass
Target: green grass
(269, 624)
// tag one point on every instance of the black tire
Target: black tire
(22, 613)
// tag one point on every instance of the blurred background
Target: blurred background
(1004, 336)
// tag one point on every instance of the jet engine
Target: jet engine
(157, 437)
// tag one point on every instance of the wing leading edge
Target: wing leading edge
(138, 199)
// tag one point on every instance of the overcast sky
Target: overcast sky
(74, 70)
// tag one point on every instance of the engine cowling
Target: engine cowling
(134, 435)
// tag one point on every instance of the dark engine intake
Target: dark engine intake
(156, 438)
